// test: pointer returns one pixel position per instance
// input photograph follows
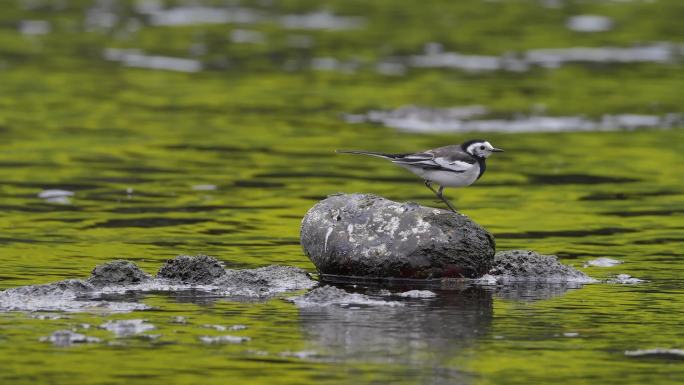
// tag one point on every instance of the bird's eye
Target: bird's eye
(481, 147)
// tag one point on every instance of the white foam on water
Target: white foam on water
(54, 193)
(434, 57)
(321, 20)
(589, 23)
(195, 14)
(137, 58)
(656, 352)
(417, 294)
(127, 328)
(625, 279)
(602, 262)
(473, 119)
(226, 339)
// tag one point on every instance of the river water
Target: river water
(103, 158)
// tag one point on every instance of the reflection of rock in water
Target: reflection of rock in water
(534, 291)
(425, 332)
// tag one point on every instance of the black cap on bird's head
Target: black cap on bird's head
(479, 148)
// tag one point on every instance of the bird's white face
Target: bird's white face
(482, 149)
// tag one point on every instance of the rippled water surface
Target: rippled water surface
(141, 157)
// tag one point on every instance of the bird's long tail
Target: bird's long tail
(370, 153)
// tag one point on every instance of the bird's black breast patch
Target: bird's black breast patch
(483, 166)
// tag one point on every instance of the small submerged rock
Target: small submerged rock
(65, 338)
(529, 266)
(201, 274)
(329, 295)
(364, 235)
(266, 280)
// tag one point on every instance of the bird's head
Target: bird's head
(479, 148)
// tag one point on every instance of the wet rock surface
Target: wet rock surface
(192, 269)
(117, 273)
(530, 266)
(331, 295)
(202, 275)
(368, 236)
(266, 280)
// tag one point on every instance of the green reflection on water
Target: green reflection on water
(132, 143)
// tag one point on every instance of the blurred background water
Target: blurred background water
(146, 129)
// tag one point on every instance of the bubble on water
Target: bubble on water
(589, 23)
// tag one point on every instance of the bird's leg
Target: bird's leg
(429, 185)
(440, 194)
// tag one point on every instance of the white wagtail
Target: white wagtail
(457, 165)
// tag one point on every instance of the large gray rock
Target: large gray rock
(365, 235)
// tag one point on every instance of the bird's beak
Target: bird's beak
(496, 150)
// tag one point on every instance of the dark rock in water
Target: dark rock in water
(65, 287)
(192, 269)
(205, 275)
(368, 236)
(265, 280)
(329, 295)
(530, 266)
(117, 273)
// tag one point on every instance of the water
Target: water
(99, 160)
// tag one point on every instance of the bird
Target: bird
(456, 165)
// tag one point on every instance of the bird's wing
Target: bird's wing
(439, 160)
